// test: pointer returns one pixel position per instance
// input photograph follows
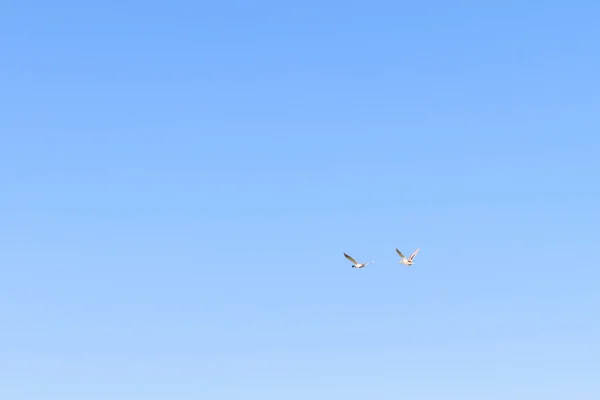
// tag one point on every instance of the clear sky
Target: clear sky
(180, 179)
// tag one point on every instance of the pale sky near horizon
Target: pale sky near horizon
(180, 179)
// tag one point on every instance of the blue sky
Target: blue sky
(179, 181)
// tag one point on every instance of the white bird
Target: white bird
(406, 261)
(355, 264)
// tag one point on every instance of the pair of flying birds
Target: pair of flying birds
(404, 260)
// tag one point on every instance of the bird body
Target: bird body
(407, 261)
(355, 264)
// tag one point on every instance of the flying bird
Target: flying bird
(406, 261)
(355, 264)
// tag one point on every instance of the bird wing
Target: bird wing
(413, 255)
(400, 254)
(350, 258)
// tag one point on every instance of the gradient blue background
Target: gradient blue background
(179, 181)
